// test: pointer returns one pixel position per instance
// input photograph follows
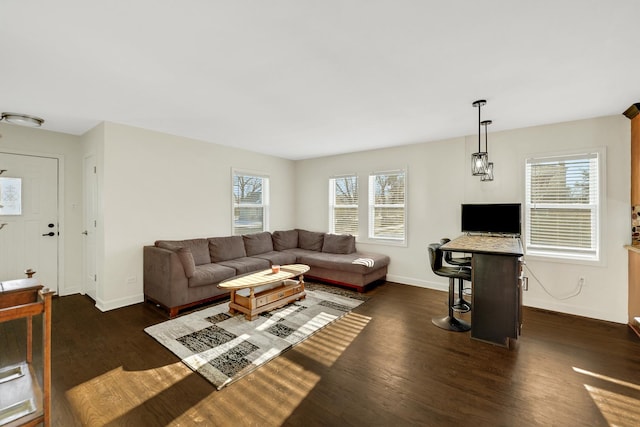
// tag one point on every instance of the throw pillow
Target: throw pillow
(186, 258)
(310, 240)
(184, 255)
(339, 244)
(199, 248)
(163, 244)
(285, 240)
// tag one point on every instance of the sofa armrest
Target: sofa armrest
(165, 280)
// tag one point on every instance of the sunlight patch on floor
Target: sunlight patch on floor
(606, 378)
(104, 398)
(268, 395)
(328, 344)
(271, 394)
(618, 409)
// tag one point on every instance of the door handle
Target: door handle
(50, 234)
(85, 232)
(2, 225)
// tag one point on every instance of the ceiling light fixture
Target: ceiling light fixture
(22, 119)
(489, 175)
(479, 160)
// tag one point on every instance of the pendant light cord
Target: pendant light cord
(479, 129)
(486, 140)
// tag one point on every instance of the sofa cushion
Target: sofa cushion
(299, 253)
(199, 248)
(208, 274)
(278, 257)
(310, 240)
(339, 244)
(285, 240)
(257, 243)
(226, 248)
(344, 262)
(246, 265)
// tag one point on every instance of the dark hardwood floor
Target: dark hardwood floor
(385, 364)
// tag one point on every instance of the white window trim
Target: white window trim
(370, 222)
(265, 197)
(332, 198)
(600, 248)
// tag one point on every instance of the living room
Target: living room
(152, 183)
(157, 175)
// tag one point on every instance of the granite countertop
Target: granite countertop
(486, 244)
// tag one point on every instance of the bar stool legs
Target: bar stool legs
(461, 305)
(449, 322)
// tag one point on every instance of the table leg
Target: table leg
(232, 299)
(29, 339)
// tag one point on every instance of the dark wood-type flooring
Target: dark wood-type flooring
(385, 364)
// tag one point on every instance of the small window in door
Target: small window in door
(10, 196)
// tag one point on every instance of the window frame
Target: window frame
(371, 207)
(333, 205)
(264, 200)
(597, 206)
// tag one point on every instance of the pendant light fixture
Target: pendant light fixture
(489, 175)
(479, 160)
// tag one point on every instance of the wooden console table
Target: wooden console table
(496, 278)
(23, 400)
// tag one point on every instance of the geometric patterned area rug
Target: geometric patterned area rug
(223, 348)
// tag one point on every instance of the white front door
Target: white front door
(29, 218)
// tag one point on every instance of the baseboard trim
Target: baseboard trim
(417, 282)
(528, 302)
(103, 305)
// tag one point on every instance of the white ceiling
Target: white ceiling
(309, 78)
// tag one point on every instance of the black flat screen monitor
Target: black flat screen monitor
(494, 218)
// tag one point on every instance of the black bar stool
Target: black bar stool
(448, 322)
(460, 304)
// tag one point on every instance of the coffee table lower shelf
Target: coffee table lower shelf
(252, 303)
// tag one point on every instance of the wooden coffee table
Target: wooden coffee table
(255, 293)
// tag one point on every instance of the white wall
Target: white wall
(158, 186)
(439, 181)
(22, 140)
(606, 292)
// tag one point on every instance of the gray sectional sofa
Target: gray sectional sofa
(182, 273)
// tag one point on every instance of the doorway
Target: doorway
(29, 223)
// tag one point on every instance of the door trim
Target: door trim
(61, 288)
(89, 160)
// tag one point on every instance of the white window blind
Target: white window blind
(343, 205)
(562, 206)
(387, 198)
(250, 203)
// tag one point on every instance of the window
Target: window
(387, 214)
(250, 203)
(10, 196)
(562, 208)
(343, 205)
